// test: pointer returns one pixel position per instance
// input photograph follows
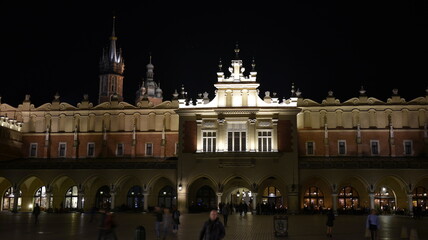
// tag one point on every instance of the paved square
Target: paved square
(311, 227)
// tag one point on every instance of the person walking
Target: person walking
(213, 229)
(176, 217)
(373, 224)
(109, 226)
(225, 213)
(36, 213)
(330, 222)
(167, 224)
(158, 221)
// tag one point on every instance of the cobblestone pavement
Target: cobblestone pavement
(310, 227)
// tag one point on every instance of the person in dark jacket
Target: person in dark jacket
(330, 221)
(213, 229)
(36, 213)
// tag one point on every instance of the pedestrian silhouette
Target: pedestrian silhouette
(36, 213)
(330, 222)
(213, 229)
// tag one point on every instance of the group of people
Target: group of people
(167, 222)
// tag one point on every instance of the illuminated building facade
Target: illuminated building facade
(293, 154)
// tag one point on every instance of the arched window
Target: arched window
(348, 198)
(420, 197)
(71, 198)
(167, 197)
(313, 198)
(9, 199)
(385, 199)
(135, 198)
(103, 197)
(40, 198)
(272, 196)
(206, 198)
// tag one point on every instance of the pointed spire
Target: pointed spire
(113, 52)
(113, 34)
(237, 50)
(220, 65)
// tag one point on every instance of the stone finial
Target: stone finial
(298, 93)
(426, 91)
(175, 94)
(330, 93)
(220, 66)
(85, 97)
(395, 91)
(253, 65)
(114, 97)
(267, 94)
(205, 94)
(274, 94)
(27, 97)
(56, 97)
(293, 92)
(199, 95)
(362, 91)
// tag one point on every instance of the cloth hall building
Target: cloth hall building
(293, 154)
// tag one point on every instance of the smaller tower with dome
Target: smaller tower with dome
(149, 89)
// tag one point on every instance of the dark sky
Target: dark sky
(338, 45)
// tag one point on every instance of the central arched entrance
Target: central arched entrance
(167, 197)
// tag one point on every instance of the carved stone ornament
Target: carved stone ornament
(264, 123)
(209, 124)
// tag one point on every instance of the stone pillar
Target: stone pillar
(293, 199)
(113, 198)
(252, 135)
(219, 194)
(199, 145)
(181, 200)
(80, 200)
(15, 198)
(334, 200)
(146, 201)
(254, 203)
(48, 199)
(410, 203)
(274, 135)
(371, 196)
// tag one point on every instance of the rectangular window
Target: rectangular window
(237, 136)
(91, 149)
(264, 141)
(408, 147)
(33, 149)
(120, 149)
(62, 148)
(374, 146)
(310, 148)
(342, 147)
(209, 141)
(149, 149)
(236, 141)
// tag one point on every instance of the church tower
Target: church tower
(111, 71)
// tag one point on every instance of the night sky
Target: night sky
(339, 46)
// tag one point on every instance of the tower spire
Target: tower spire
(113, 52)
